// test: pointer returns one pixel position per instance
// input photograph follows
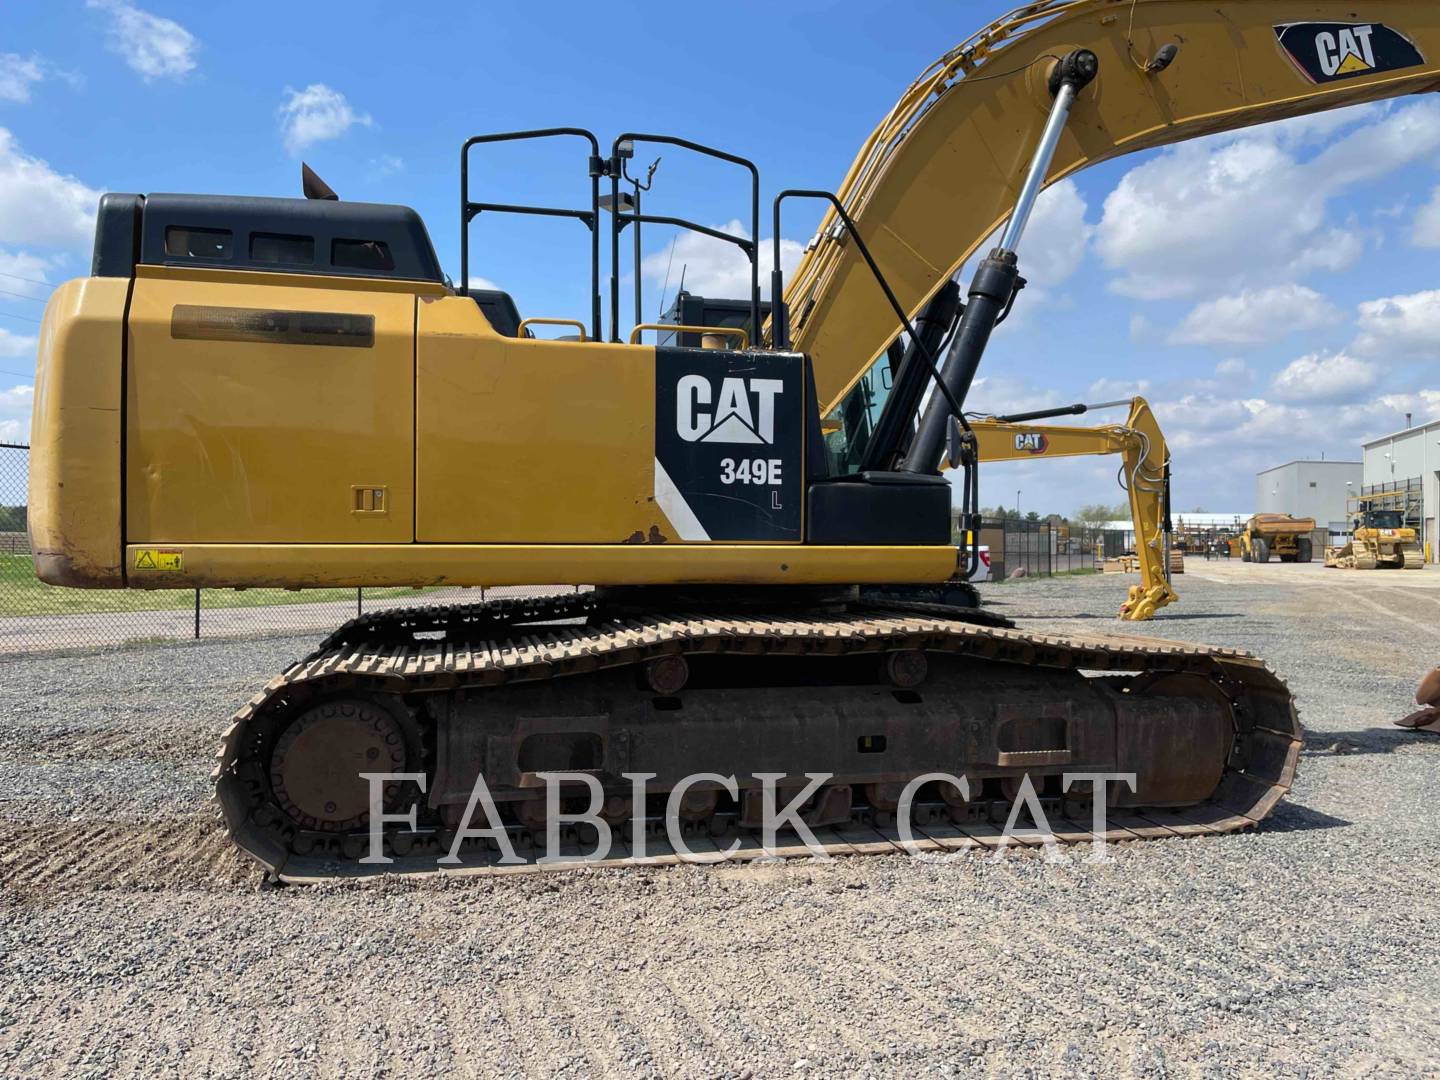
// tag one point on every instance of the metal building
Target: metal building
(1405, 467)
(1313, 489)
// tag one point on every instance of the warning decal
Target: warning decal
(161, 559)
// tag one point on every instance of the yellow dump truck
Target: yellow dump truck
(1277, 534)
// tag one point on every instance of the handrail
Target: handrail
(619, 219)
(589, 218)
(728, 331)
(545, 320)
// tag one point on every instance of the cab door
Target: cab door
(268, 409)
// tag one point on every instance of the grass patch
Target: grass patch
(22, 593)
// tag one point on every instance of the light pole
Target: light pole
(1017, 506)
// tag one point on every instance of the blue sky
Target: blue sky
(1273, 291)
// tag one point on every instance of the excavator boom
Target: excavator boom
(942, 170)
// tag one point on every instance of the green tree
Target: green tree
(1095, 513)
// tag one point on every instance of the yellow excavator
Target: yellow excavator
(1144, 474)
(251, 392)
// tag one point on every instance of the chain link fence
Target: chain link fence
(35, 617)
(1044, 548)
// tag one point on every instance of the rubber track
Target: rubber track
(491, 646)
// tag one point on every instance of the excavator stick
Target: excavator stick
(1144, 474)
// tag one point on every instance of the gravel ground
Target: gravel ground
(133, 940)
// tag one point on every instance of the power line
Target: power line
(22, 296)
(17, 374)
(31, 280)
(22, 318)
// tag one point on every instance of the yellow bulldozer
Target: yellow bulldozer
(1281, 535)
(251, 392)
(1379, 540)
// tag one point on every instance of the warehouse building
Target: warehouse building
(1404, 468)
(1313, 489)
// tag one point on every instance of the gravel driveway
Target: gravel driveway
(133, 940)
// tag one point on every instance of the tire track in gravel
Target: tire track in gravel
(39, 861)
(524, 1010)
(480, 1038)
(86, 745)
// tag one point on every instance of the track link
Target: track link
(419, 654)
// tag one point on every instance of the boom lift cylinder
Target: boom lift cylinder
(997, 280)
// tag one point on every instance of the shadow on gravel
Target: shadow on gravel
(1364, 741)
(1159, 619)
(1292, 817)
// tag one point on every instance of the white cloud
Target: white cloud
(716, 268)
(1321, 378)
(1116, 389)
(1247, 209)
(156, 47)
(1056, 239)
(40, 206)
(17, 73)
(1406, 327)
(15, 413)
(13, 345)
(1426, 232)
(999, 394)
(314, 115)
(387, 165)
(22, 272)
(1255, 316)
(1234, 369)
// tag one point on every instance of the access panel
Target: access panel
(729, 443)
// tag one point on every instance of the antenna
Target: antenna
(668, 263)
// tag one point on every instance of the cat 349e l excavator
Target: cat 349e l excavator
(273, 392)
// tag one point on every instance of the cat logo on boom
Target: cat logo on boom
(1328, 52)
(1032, 442)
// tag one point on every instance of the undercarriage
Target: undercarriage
(707, 700)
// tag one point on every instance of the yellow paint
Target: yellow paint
(349, 565)
(161, 560)
(245, 441)
(528, 440)
(74, 511)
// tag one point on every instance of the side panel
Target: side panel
(729, 444)
(75, 436)
(526, 441)
(265, 411)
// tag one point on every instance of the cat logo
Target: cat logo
(1328, 52)
(744, 410)
(1032, 442)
